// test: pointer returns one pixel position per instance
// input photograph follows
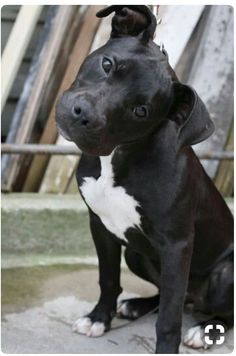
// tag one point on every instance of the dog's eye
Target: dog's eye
(106, 65)
(141, 111)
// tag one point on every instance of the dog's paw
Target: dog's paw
(85, 326)
(136, 307)
(195, 338)
(125, 310)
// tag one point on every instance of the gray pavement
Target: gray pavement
(41, 303)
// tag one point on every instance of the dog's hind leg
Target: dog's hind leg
(218, 301)
(143, 268)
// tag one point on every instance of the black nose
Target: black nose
(78, 113)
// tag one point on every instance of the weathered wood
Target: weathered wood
(224, 179)
(41, 78)
(177, 25)
(71, 27)
(6, 28)
(9, 12)
(212, 76)
(9, 164)
(49, 135)
(47, 61)
(58, 174)
(16, 45)
(72, 187)
(183, 67)
(65, 167)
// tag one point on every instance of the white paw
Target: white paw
(195, 338)
(85, 326)
(123, 311)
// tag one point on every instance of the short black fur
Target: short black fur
(185, 247)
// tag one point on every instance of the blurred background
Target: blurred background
(49, 265)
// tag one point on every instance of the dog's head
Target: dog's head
(126, 88)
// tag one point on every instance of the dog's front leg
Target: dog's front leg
(109, 255)
(175, 265)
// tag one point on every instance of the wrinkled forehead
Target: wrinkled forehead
(141, 69)
(129, 50)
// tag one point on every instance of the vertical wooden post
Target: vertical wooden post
(212, 77)
(224, 179)
(36, 85)
(16, 45)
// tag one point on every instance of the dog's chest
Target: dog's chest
(115, 207)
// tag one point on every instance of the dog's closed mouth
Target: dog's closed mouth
(64, 134)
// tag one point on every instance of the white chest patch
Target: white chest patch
(115, 208)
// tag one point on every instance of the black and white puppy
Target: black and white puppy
(144, 186)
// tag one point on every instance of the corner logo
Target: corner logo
(214, 333)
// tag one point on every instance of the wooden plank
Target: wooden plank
(17, 87)
(60, 169)
(71, 27)
(45, 66)
(49, 135)
(7, 112)
(72, 187)
(47, 60)
(16, 45)
(9, 12)
(224, 179)
(9, 164)
(177, 25)
(212, 76)
(6, 28)
(183, 67)
(58, 173)
(25, 114)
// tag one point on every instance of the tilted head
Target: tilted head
(126, 88)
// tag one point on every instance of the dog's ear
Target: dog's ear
(191, 116)
(131, 20)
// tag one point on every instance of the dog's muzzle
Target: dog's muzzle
(78, 121)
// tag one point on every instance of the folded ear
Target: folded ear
(131, 20)
(191, 116)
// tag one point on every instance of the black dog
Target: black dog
(144, 186)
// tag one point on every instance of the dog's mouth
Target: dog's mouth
(100, 147)
(64, 134)
(98, 150)
(93, 142)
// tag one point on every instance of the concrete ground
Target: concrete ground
(49, 279)
(40, 303)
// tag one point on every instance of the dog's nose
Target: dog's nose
(73, 108)
(79, 113)
(76, 110)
